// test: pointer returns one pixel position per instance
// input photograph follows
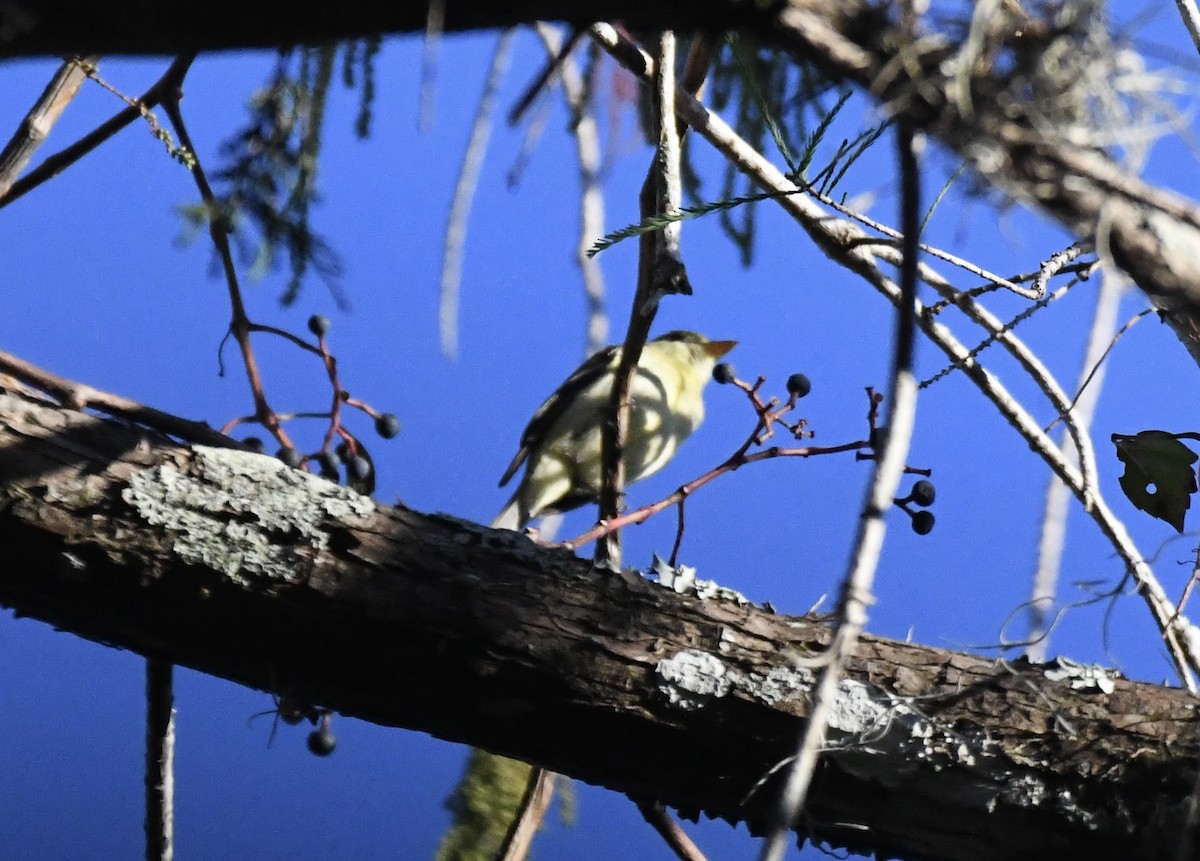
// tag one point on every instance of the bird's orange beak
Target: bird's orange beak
(717, 349)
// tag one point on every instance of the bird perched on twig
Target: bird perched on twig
(562, 443)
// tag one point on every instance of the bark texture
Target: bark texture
(231, 563)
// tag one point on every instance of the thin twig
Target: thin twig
(160, 761)
(932, 251)
(591, 192)
(767, 416)
(668, 274)
(1055, 511)
(80, 396)
(559, 55)
(464, 194)
(1191, 19)
(656, 815)
(652, 284)
(1055, 263)
(1095, 368)
(529, 143)
(889, 466)
(37, 123)
(733, 463)
(539, 791)
(435, 22)
(218, 228)
(55, 164)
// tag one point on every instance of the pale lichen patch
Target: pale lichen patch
(74, 495)
(244, 515)
(691, 679)
(855, 711)
(779, 684)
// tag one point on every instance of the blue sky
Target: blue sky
(97, 287)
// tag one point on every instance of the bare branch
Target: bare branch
(55, 164)
(79, 396)
(591, 193)
(160, 761)
(1191, 19)
(453, 246)
(670, 831)
(435, 25)
(660, 271)
(218, 228)
(37, 123)
(1054, 514)
(856, 594)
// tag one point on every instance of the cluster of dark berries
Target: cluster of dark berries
(922, 495)
(798, 385)
(357, 464)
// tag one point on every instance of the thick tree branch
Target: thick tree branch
(233, 564)
(50, 27)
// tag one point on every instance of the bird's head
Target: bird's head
(702, 346)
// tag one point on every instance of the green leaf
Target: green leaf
(1159, 478)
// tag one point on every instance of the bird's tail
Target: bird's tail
(510, 515)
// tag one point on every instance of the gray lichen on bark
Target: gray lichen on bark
(242, 514)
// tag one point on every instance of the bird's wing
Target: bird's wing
(594, 367)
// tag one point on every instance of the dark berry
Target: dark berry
(290, 717)
(922, 522)
(798, 385)
(358, 468)
(254, 444)
(329, 462)
(319, 325)
(923, 493)
(322, 742)
(724, 373)
(292, 712)
(387, 425)
(290, 456)
(878, 437)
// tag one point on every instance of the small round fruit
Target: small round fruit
(292, 712)
(290, 456)
(922, 522)
(358, 468)
(878, 437)
(724, 373)
(319, 325)
(923, 493)
(322, 742)
(798, 385)
(387, 425)
(328, 463)
(254, 444)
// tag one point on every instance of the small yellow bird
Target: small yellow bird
(562, 442)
